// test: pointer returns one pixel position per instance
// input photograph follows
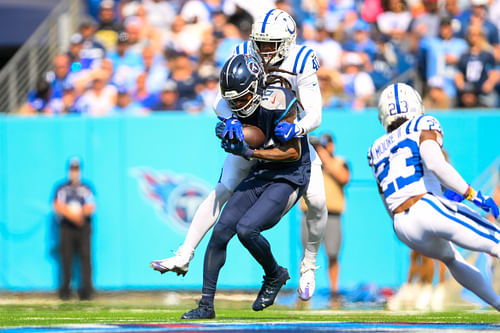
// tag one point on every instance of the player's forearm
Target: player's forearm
(62, 209)
(287, 153)
(310, 97)
(88, 209)
(434, 160)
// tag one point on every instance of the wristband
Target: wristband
(469, 194)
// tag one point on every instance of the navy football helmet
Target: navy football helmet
(241, 84)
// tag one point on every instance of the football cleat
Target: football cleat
(307, 282)
(178, 264)
(270, 288)
(203, 311)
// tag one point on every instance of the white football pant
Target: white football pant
(433, 223)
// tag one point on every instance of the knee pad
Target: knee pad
(245, 233)
(220, 236)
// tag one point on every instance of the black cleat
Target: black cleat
(203, 311)
(270, 289)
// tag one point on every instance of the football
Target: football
(253, 136)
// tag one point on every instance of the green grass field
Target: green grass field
(105, 312)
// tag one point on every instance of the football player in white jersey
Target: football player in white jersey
(410, 169)
(272, 41)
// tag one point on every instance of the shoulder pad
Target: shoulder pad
(424, 122)
(243, 48)
(304, 60)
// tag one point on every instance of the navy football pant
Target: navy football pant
(255, 206)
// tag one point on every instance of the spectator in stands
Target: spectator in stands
(336, 176)
(74, 207)
(440, 56)
(183, 37)
(100, 98)
(395, 20)
(242, 19)
(478, 15)
(125, 104)
(476, 71)
(148, 32)
(74, 52)
(187, 79)
(427, 24)
(219, 20)
(210, 89)
(436, 97)
(206, 54)
(357, 85)
(328, 81)
(385, 61)
(169, 98)
(127, 8)
(108, 28)
(453, 9)
(155, 68)
(362, 44)
(127, 63)
(231, 39)
(60, 76)
(160, 13)
(93, 51)
(133, 29)
(327, 49)
(143, 95)
(38, 99)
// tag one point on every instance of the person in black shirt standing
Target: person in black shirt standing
(74, 206)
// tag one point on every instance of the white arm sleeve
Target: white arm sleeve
(310, 97)
(221, 107)
(434, 160)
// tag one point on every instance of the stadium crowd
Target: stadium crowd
(135, 57)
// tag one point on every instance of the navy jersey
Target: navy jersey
(272, 110)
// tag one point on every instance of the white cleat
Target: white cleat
(178, 264)
(437, 299)
(307, 281)
(424, 297)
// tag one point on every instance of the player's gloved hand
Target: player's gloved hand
(284, 131)
(219, 129)
(233, 128)
(239, 148)
(485, 203)
(453, 196)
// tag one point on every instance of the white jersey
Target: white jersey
(397, 165)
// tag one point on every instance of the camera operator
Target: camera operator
(336, 176)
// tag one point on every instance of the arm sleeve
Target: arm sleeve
(434, 160)
(221, 107)
(310, 97)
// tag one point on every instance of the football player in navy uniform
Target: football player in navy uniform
(272, 44)
(279, 176)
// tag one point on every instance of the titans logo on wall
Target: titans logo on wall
(176, 197)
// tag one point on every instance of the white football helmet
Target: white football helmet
(399, 100)
(275, 26)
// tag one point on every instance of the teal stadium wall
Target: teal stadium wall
(150, 172)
